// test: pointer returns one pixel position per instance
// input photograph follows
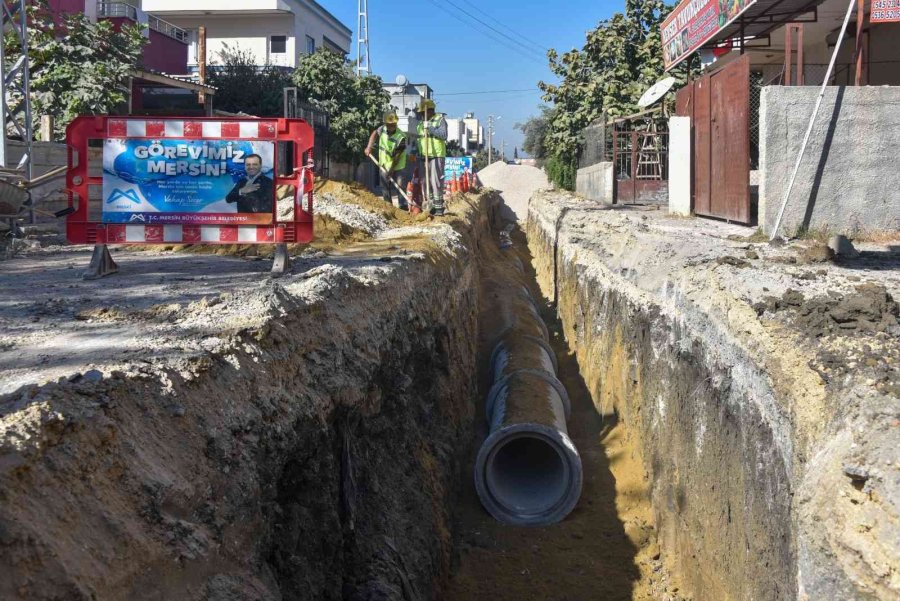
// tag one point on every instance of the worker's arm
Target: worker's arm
(368, 150)
(440, 130)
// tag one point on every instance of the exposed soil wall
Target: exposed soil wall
(734, 420)
(314, 454)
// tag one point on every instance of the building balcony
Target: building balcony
(216, 7)
(121, 10)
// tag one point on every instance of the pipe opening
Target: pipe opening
(527, 475)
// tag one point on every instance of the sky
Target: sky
(501, 58)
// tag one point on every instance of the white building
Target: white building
(405, 99)
(475, 132)
(274, 31)
(467, 132)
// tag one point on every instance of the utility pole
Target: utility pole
(363, 66)
(503, 150)
(491, 138)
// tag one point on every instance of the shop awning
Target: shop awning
(696, 24)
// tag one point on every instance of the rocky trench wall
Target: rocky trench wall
(715, 446)
(315, 457)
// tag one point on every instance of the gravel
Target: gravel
(349, 214)
(516, 184)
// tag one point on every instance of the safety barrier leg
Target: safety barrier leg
(102, 264)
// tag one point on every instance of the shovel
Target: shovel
(390, 179)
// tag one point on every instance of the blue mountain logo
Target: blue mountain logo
(131, 195)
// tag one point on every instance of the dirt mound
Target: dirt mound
(357, 194)
(869, 309)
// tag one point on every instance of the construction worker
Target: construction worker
(391, 157)
(433, 153)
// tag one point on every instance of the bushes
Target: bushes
(561, 172)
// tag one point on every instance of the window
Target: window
(310, 45)
(278, 44)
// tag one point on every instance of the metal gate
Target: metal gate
(640, 160)
(719, 107)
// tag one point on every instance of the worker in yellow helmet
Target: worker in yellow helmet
(433, 151)
(391, 157)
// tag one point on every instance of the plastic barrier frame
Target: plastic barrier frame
(80, 229)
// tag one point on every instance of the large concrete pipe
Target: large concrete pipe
(522, 353)
(524, 318)
(528, 472)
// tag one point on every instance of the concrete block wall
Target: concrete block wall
(846, 183)
(596, 182)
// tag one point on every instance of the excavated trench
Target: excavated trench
(321, 449)
(316, 436)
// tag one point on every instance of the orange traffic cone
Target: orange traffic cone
(414, 191)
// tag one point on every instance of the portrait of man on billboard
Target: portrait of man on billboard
(253, 193)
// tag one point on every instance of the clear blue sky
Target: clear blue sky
(425, 42)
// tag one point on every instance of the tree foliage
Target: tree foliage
(481, 158)
(77, 67)
(454, 149)
(620, 59)
(356, 105)
(243, 86)
(535, 130)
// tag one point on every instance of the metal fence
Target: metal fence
(318, 120)
(593, 149)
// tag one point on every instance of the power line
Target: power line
(507, 27)
(530, 55)
(489, 26)
(486, 92)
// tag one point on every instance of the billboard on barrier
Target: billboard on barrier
(456, 166)
(191, 182)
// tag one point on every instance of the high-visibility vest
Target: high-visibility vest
(387, 145)
(436, 146)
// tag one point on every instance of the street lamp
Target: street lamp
(491, 137)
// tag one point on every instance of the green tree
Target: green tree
(356, 105)
(535, 130)
(243, 86)
(454, 149)
(481, 158)
(77, 67)
(620, 59)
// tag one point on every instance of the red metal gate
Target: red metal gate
(640, 160)
(719, 107)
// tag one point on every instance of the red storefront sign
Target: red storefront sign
(885, 11)
(695, 22)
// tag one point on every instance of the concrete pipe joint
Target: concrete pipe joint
(526, 319)
(528, 472)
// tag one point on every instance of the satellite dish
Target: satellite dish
(401, 80)
(656, 91)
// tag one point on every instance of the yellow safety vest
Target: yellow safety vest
(436, 146)
(387, 145)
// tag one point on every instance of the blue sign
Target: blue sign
(188, 181)
(456, 166)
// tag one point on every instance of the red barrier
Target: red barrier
(84, 227)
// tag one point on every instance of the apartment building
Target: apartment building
(277, 32)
